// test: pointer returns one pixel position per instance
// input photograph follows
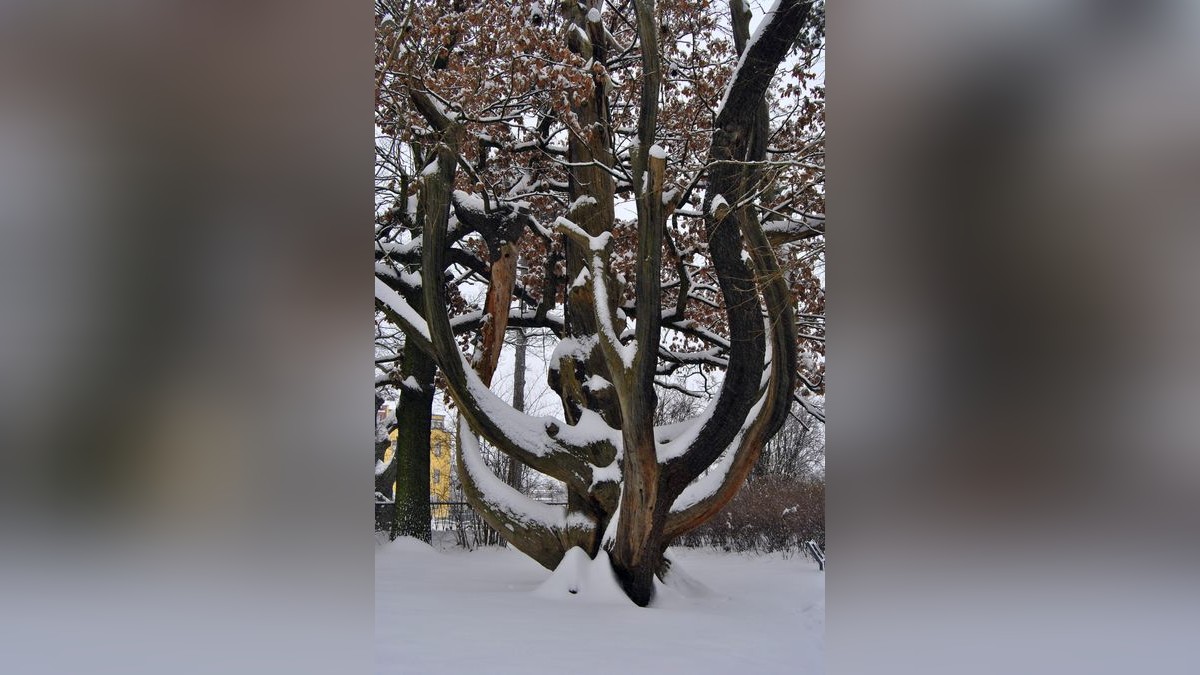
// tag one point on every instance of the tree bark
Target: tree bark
(413, 414)
(738, 142)
(499, 298)
(638, 550)
(649, 489)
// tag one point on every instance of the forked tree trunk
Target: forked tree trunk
(650, 487)
(750, 407)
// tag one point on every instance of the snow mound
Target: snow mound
(410, 545)
(582, 577)
(680, 587)
(566, 577)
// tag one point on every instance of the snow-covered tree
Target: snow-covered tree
(660, 170)
(406, 373)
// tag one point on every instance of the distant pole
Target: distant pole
(520, 343)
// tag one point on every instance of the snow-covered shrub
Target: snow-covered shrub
(772, 513)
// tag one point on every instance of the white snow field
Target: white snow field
(495, 611)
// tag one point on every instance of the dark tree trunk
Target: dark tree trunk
(412, 446)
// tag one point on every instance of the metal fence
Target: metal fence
(456, 524)
(451, 523)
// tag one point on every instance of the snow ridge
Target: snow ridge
(583, 578)
(500, 494)
(707, 485)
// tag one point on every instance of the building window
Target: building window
(437, 475)
(437, 449)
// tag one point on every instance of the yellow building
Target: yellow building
(439, 464)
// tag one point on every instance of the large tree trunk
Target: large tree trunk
(638, 550)
(650, 487)
(593, 194)
(413, 415)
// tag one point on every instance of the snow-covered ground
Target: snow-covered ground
(497, 611)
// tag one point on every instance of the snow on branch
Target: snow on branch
(577, 349)
(591, 428)
(673, 441)
(708, 484)
(619, 355)
(542, 436)
(793, 228)
(762, 54)
(574, 231)
(399, 248)
(410, 320)
(525, 431)
(767, 20)
(624, 353)
(499, 495)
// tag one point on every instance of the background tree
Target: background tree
(406, 373)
